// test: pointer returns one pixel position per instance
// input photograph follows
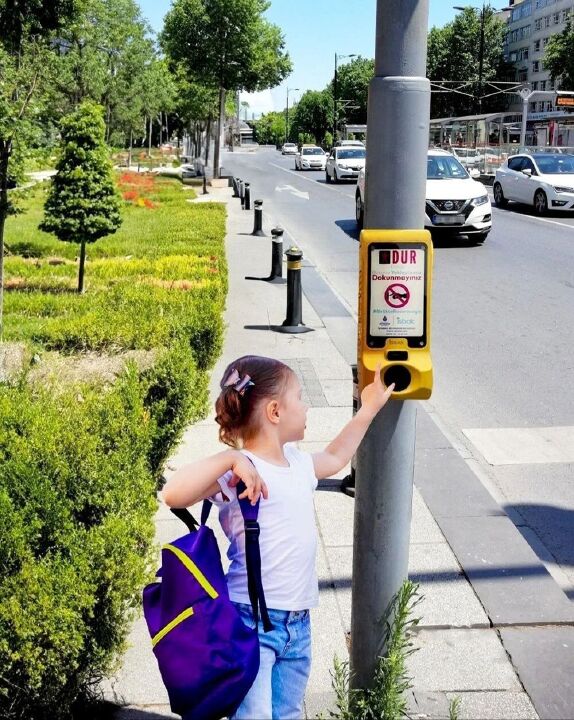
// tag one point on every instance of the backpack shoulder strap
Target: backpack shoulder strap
(185, 516)
(253, 559)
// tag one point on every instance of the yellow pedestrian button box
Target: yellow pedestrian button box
(394, 310)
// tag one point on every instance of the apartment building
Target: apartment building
(531, 23)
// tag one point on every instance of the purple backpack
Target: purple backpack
(208, 658)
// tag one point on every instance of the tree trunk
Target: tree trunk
(220, 126)
(6, 149)
(82, 263)
(150, 134)
(207, 134)
(130, 149)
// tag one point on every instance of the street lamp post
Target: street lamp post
(335, 99)
(287, 113)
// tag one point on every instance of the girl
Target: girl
(260, 414)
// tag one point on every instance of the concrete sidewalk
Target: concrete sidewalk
(488, 601)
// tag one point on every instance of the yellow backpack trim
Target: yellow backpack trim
(194, 570)
(170, 626)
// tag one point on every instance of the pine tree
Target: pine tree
(83, 204)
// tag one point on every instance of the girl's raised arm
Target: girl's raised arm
(340, 451)
(198, 480)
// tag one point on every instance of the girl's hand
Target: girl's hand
(375, 395)
(244, 469)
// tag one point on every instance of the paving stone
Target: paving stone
(449, 600)
(343, 334)
(459, 660)
(335, 513)
(145, 712)
(423, 526)
(325, 423)
(338, 393)
(331, 365)
(544, 660)
(512, 584)
(127, 686)
(319, 704)
(422, 705)
(494, 706)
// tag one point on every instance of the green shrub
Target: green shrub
(176, 394)
(79, 465)
(386, 695)
(78, 473)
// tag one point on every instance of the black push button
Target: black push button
(399, 375)
(397, 355)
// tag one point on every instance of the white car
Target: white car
(544, 180)
(289, 149)
(455, 203)
(345, 163)
(311, 157)
(350, 143)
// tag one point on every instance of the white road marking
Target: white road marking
(314, 182)
(523, 446)
(293, 191)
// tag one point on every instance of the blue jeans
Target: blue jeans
(285, 663)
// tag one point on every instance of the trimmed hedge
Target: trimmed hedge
(79, 465)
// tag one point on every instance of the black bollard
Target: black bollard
(205, 185)
(276, 276)
(258, 219)
(247, 203)
(242, 193)
(293, 323)
(235, 187)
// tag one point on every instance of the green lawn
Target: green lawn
(161, 277)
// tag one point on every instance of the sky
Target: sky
(314, 30)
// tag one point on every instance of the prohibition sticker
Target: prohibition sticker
(397, 295)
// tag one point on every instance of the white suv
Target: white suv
(455, 204)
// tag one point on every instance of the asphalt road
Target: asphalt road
(502, 340)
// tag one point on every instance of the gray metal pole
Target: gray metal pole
(525, 99)
(397, 142)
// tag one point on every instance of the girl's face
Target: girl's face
(292, 411)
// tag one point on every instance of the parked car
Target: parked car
(344, 163)
(349, 143)
(455, 203)
(543, 180)
(469, 158)
(289, 149)
(311, 157)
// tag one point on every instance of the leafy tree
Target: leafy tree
(82, 204)
(226, 44)
(104, 55)
(25, 64)
(353, 80)
(269, 129)
(313, 115)
(559, 57)
(453, 55)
